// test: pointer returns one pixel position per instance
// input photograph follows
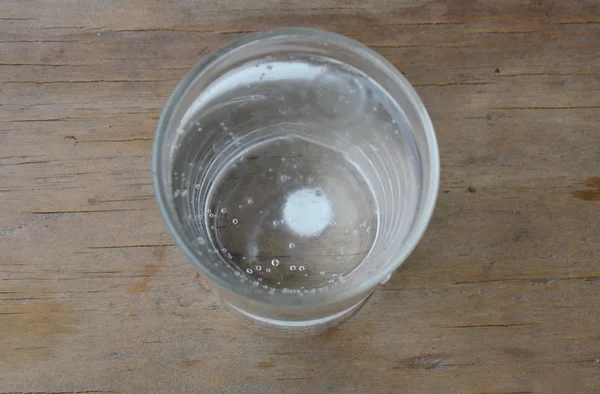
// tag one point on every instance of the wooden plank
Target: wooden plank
(501, 296)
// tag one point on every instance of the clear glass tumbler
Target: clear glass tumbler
(297, 169)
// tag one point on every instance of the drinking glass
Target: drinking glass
(296, 169)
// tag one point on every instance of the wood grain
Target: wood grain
(502, 295)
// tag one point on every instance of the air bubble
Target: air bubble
(229, 255)
(274, 262)
(258, 268)
(208, 211)
(268, 270)
(223, 210)
(249, 270)
(197, 186)
(355, 232)
(235, 221)
(250, 201)
(322, 273)
(292, 245)
(275, 223)
(301, 268)
(224, 250)
(240, 206)
(292, 268)
(210, 215)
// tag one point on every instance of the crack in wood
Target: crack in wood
(88, 81)
(439, 45)
(48, 65)
(543, 281)
(79, 211)
(131, 246)
(548, 107)
(27, 162)
(120, 140)
(453, 84)
(490, 325)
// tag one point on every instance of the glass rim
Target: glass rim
(424, 214)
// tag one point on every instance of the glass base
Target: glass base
(314, 326)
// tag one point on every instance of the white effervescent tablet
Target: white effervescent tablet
(307, 212)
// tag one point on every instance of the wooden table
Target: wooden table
(502, 295)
